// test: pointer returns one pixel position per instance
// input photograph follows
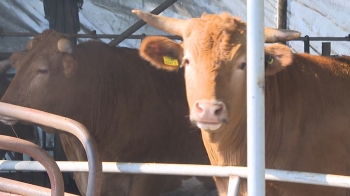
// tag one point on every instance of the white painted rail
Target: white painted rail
(184, 169)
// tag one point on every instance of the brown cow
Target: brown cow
(134, 111)
(307, 98)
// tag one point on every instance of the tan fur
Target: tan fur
(154, 52)
(280, 56)
(69, 65)
(15, 59)
(135, 112)
(307, 105)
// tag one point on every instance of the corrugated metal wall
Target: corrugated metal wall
(310, 17)
(320, 19)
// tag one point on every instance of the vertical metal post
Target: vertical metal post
(307, 44)
(234, 183)
(255, 98)
(326, 48)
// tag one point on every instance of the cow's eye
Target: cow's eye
(243, 65)
(185, 62)
(42, 71)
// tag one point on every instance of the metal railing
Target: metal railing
(66, 125)
(232, 172)
(25, 147)
(91, 35)
(186, 169)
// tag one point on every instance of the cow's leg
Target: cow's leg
(81, 179)
(131, 184)
(147, 185)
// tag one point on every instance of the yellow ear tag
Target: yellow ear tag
(270, 61)
(170, 61)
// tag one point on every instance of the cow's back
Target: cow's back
(307, 121)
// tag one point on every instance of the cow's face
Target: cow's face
(213, 55)
(214, 74)
(42, 73)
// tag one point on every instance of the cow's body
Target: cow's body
(135, 112)
(307, 99)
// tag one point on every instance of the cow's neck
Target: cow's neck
(228, 145)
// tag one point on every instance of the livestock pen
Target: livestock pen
(163, 169)
(171, 169)
(148, 168)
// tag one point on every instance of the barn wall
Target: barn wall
(20, 16)
(320, 19)
(114, 17)
(310, 17)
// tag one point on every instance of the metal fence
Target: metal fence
(232, 172)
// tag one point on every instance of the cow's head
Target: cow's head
(213, 54)
(44, 66)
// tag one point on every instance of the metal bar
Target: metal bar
(141, 23)
(233, 185)
(255, 98)
(25, 147)
(282, 14)
(94, 36)
(175, 37)
(308, 38)
(67, 125)
(326, 48)
(25, 189)
(307, 44)
(184, 169)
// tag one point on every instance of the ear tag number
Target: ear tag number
(170, 61)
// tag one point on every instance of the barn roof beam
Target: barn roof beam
(140, 23)
(93, 36)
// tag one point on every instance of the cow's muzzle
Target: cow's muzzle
(209, 115)
(8, 120)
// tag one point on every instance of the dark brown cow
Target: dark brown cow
(135, 112)
(307, 98)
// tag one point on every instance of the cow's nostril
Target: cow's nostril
(219, 110)
(199, 108)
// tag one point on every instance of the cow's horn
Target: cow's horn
(170, 25)
(279, 35)
(4, 66)
(65, 45)
(28, 46)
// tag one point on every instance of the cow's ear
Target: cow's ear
(277, 58)
(162, 52)
(69, 65)
(15, 58)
